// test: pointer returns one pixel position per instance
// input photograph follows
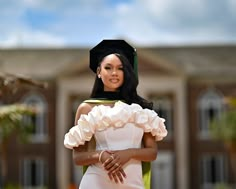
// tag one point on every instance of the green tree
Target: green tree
(12, 122)
(12, 115)
(224, 129)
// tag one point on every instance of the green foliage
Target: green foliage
(12, 186)
(225, 127)
(11, 120)
(222, 186)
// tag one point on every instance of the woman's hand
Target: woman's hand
(117, 159)
(115, 170)
(115, 162)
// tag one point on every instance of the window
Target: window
(163, 107)
(163, 171)
(210, 106)
(75, 105)
(40, 131)
(77, 170)
(34, 173)
(212, 170)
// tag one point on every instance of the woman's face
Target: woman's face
(111, 73)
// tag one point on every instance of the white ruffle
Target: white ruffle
(102, 117)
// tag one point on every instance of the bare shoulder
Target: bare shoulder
(84, 108)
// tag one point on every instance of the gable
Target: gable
(153, 63)
(147, 64)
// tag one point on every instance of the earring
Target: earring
(99, 76)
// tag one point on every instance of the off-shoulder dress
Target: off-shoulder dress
(115, 128)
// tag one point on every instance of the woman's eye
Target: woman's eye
(107, 68)
(121, 68)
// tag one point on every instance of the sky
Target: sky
(84, 23)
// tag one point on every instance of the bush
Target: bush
(225, 128)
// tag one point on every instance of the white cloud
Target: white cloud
(32, 3)
(144, 22)
(32, 39)
(192, 21)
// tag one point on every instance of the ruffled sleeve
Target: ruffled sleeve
(149, 121)
(78, 134)
(84, 129)
(101, 117)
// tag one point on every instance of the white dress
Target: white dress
(115, 128)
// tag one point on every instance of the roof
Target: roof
(40, 63)
(199, 60)
(191, 61)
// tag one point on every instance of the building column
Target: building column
(66, 88)
(176, 86)
(62, 154)
(181, 136)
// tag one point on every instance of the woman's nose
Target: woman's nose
(114, 72)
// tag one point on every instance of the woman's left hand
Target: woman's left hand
(117, 160)
(115, 171)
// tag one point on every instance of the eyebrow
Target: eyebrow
(110, 64)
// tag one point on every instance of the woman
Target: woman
(117, 120)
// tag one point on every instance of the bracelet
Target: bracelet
(100, 156)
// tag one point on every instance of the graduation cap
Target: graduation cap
(109, 46)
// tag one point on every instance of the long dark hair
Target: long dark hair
(128, 91)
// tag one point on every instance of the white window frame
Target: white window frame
(209, 101)
(163, 171)
(40, 173)
(206, 169)
(165, 105)
(41, 124)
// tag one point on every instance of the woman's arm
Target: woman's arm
(149, 150)
(85, 154)
(147, 153)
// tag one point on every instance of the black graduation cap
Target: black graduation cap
(109, 46)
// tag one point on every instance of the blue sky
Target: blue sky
(84, 23)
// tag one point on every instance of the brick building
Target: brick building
(186, 84)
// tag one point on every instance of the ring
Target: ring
(112, 157)
(117, 164)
